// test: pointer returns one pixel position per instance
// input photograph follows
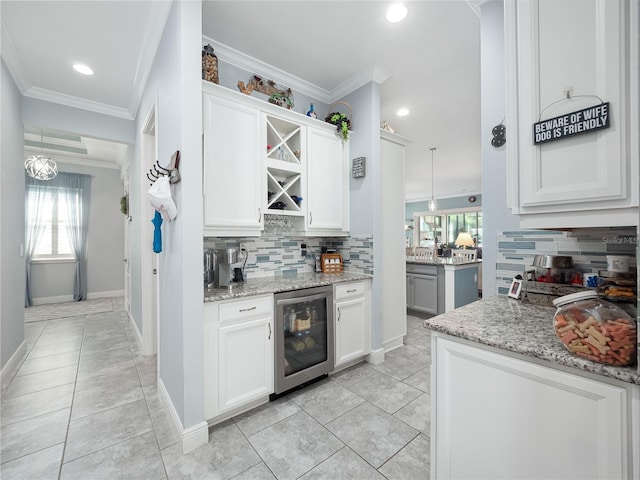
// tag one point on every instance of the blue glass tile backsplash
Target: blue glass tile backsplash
(588, 247)
(280, 254)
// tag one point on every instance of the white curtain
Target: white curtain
(76, 189)
(38, 196)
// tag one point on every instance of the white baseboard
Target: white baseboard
(105, 294)
(376, 357)
(190, 438)
(134, 326)
(393, 343)
(69, 298)
(11, 367)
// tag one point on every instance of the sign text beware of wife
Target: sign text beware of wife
(576, 123)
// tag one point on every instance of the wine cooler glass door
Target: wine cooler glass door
(304, 345)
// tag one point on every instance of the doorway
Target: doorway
(127, 235)
(149, 261)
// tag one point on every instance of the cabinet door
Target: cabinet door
(409, 290)
(233, 174)
(245, 356)
(499, 416)
(424, 293)
(581, 45)
(351, 330)
(327, 182)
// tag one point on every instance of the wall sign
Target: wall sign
(583, 121)
(358, 167)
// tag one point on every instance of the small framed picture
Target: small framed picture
(514, 289)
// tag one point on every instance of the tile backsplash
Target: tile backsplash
(280, 253)
(588, 247)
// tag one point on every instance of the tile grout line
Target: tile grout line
(73, 396)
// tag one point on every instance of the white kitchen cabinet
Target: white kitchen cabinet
(352, 322)
(500, 415)
(239, 355)
(233, 174)
(327, 183)
(589, 48)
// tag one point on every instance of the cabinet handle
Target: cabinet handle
(310, 218)
(339, 314)
(351, 291)
(259, 215)
(269, 331)
(247, 309)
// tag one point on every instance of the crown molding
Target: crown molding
(155, 28)
(251, 64)
(12, 59)
(368, 74)
(76, 102)
(86, 162)
(474, 5)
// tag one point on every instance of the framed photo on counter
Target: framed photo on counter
(515, 288)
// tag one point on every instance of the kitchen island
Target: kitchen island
(442, 284)
(509, 401)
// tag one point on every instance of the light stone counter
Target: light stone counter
(262, 285)
(519, 327)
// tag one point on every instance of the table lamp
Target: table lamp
(464, 240)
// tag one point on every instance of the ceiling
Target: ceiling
(431, 59)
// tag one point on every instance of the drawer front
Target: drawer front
(348, 290)
(422, 269)
(246, 308)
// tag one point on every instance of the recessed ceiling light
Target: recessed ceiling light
(403, 112)
(396, 13)
(78, 67)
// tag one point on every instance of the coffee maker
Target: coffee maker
(224, 274)
(209, 265)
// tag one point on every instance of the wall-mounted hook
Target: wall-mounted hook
(174, 175)
(165, 171)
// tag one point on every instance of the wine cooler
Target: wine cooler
(304, 336)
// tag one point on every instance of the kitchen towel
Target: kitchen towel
(157, 233)
(160, 196)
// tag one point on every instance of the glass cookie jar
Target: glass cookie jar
(595, 329)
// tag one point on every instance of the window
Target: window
(53, 240)
(445, 226)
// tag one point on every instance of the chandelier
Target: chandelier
(40, 166)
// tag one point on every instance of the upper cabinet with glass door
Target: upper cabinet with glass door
(285, 150)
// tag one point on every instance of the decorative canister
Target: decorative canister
(209, 65)
(595, 329)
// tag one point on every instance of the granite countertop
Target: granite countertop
(523, 328)
(263, 285)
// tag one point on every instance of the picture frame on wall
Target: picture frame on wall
(515, 288)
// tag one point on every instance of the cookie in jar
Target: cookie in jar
(595, 329)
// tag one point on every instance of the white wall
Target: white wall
(105, 243)
(175, 84)
(12, 269)
(364, 192)
(496, 217)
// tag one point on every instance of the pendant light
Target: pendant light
(40, 166)
(432, 203)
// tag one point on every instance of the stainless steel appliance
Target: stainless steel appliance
(304, 337)
(223, 270)
(208, 261)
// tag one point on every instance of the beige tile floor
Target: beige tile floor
(84, 405)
